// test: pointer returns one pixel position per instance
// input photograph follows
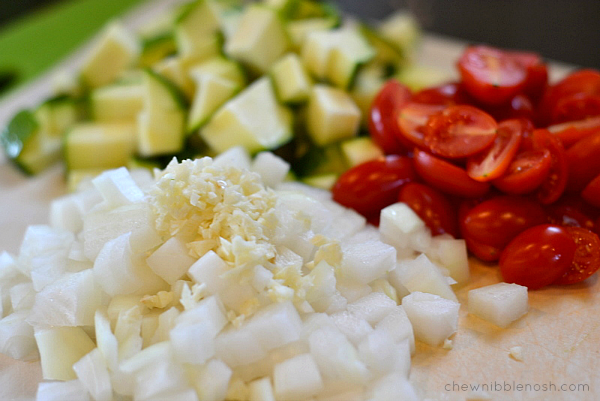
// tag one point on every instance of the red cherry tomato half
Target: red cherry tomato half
(382, 116)
(412, 119)
(487, 253)
(537, 73)
(576, 107)
(571, 132)
(497, 221)
(494, 161)
(373, 185)
(527, 171)
(571, 211)
(584, 162)
(447, 94)
(446, 176)
(587, 256)
(591, 193)
(520, 106)
(583, 81)
(538, 256)
(491, 75)
(459, 131)
(432, 207)
(554, 185)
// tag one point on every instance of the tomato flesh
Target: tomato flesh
(382, 116)
(584, 162)
(373, 185)
(411, 121)
(587, 256)
(495, 222)
(527, 171)
(571, 132)
(446, 176)
(554, 185)
(491, 75)
(538, 256)
(431, 206)
(493, 162)
(591, 193)
(459, 131)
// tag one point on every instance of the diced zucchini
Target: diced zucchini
(336, 55)
(212, 92)
(117, 103)
(198, 22)
(56, 115)
(116, 50)
(25, 144)
(222, 67)
(206, 47)
(253, 119)
(99, 146)
(314, 9)
(285, 7)
(351, 52)
(33, 140)
(332, 115)
(320, 161)
(161, 124)
(157, 48)
(402, 29)
(419, 77)
(323, 181)
(359, 150)
(386, 51)
(298, 30)
(291, 80)
(367, 84)
(173, 69)
(160, 93)
(259, 40)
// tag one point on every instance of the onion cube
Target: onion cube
(365, 262)
(171, 260)
(16, 337)
(397, 325)
(373, 307)
(422, 275)
(354, 328)
(273, 169)
(60, 348)
(61, 391)
(433, 318)
(261, 390)
(500, 304)
(117, 188)
(402, 228)
(92, 372)
(212, 380)
(297, 378)
(452, 254)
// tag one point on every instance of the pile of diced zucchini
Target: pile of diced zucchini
(282, 75)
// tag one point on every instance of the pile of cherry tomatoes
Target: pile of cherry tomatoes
(501, 158)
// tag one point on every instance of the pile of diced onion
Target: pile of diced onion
(217, 279)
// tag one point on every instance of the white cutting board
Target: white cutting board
(560, 336)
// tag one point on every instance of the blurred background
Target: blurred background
(561, 30)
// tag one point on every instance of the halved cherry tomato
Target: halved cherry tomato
(576, 107)
(432, 207)
(494, 161)
(495, 222)
(591, 193)
(491, 75)
(487, 253)
(447, 94)
(459, 131)
(587, 256)
(571, 132)
(446, 176)
(520, 106)
(571, 211)
(537, 73)
(527, 171)
(373, 185)
(412, 119)
(556, 182)
(538, 256)
(582, 81)
(382, 116)
(584, 162)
